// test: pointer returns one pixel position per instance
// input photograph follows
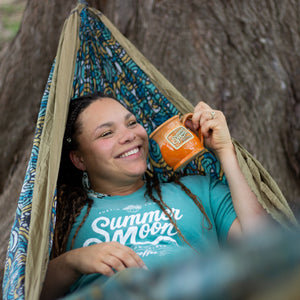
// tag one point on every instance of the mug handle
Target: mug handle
(189, 116)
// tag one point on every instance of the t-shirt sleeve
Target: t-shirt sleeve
(222, 208)
(216, 199)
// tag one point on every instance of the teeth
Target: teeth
(133, 151)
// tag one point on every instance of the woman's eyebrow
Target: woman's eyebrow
(109, 124)
(129, 115)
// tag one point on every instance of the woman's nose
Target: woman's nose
(126, 135)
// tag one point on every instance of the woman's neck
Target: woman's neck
(120, 190)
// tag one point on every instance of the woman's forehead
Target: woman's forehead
(104, 110)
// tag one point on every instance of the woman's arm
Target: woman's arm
(103, 258)
(60, 277)
(249, 211)
(217, 137)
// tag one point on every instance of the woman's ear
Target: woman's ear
(77, 160)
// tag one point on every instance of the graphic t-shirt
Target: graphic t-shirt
(136, 221)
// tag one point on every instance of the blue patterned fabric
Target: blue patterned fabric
(102, 65)
(14, 275)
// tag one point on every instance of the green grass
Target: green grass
(10, 18)
(12, 25)
(9, 9)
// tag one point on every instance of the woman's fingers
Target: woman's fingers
(213, 127)
(115, 263)
(105, 270)
(209, 115)
(202, 113)
(202, 106)
(106, 258)
(207, 120)
(128, 257)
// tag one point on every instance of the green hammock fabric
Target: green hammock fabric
(145, 91)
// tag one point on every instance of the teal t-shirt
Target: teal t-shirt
(137, 222)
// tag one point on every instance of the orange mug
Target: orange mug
(178, 144)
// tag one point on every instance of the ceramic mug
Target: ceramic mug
(178, 144)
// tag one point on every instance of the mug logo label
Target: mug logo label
(178, 137)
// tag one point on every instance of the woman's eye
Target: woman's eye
(132, 123)
(105, 134)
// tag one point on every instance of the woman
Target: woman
(120, 217)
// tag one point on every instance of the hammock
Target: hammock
(94, 56)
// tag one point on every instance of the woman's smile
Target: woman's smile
(130, 152)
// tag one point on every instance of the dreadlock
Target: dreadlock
(152, 182)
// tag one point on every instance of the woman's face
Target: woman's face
(113, 147)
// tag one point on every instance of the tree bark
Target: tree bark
(239, 56)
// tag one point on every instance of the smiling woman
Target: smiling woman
(113, 214)
(113, 148)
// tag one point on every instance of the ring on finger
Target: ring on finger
(212, 114)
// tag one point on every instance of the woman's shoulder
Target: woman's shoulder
(190, 181)
(195, 179)
(202, 182)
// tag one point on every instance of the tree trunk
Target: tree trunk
(239, 56)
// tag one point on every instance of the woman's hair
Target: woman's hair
(72, 197)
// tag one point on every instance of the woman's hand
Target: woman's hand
(213, 128)
(104, 258)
